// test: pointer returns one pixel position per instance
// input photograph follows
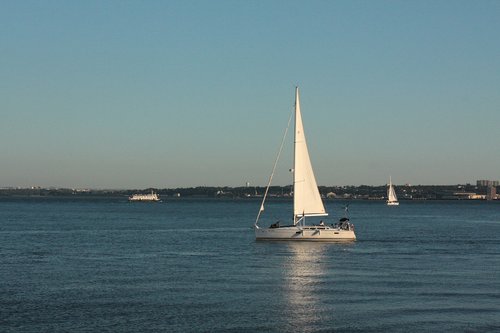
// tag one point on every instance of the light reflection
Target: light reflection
(305, 278)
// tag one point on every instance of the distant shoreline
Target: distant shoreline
(363, 192)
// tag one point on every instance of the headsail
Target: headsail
(306, 198)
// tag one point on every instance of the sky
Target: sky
(164, 94)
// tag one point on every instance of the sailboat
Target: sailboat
(307, 201)
(392, 199)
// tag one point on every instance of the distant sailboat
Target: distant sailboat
(392, 199)
(306, 198)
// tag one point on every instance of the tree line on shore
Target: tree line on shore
(404, 192)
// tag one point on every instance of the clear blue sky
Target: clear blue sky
(136, 94)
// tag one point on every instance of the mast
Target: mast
(297, 105)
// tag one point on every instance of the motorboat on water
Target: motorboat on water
(145, 197)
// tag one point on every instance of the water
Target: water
(190, 265)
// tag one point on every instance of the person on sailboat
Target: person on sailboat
(275, 225)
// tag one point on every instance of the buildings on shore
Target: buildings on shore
(491, 188)
(491, 193)
(487, 183)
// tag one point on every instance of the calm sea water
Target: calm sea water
(194, 266)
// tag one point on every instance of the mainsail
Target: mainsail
(306, 198)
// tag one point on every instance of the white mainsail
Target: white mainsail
(391, 194)
(306, 198)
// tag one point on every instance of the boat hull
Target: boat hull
(325, 234)
(393, 203)
(144, 200)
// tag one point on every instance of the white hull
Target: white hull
(144, 200)
(392, 203)
(307, 233)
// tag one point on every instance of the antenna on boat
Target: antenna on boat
(346, 211)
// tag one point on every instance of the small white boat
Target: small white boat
(307, 201)
(392, 199)
(144, 197)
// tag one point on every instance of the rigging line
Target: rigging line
(274, 169)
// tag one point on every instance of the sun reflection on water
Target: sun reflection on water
(304, 279)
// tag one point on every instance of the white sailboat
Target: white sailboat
(392, 199)
(307, 201)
